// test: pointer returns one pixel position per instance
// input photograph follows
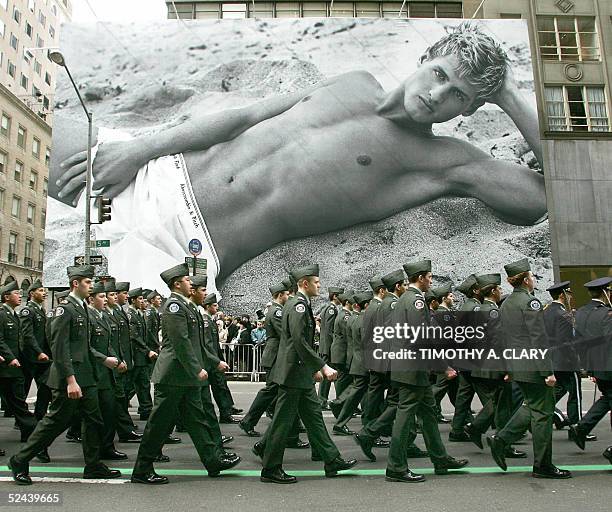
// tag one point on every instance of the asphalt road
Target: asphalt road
(482, 486)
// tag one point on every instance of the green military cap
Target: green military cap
(110, 285)
(8, 288)
(467, 285)
(301, 272)
(145, 292)
(601, 282)
(363, 297)
(122, 286)
(347, 295)
(335, 290)
(430, 295)
(80, 271)
(392, 278)
(197, 281)
(180, 270)
(135, 292)
(277, 288)
(98, 287)
(417, 267)
(35, 286)
(211, 298)
(154, 294)
(62, 294)
(517, 267)
(376, 283)
(483, 280)
(288, 283)
(443, 291)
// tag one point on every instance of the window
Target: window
(45, 103)
(47, 78)
(52, 31)
(314, 9)
(18, 175)
(31, 213)
(36, 92)
(16, 15)
(287, 10)
(341, 10)
(185, 11)
(33, 180)
(234, 11)
(392, 9)
(41, 254)
(40, 42)
(1, 200)
(36, 148)
(42, 18)
(3, 161)
(38, 68)
(208, 11)
(22, 135)
(14, 42)
(13, 248)
(568, 38)
(259, 10)
(367, 10)
(435, 10)
(31, 5)
(47, 156)
(43, 219)
(16, 207)
(54, 9)
(2, 28)
(509, 16)
(45, 187)
(11, 69)
(24, 81)
(27, 253)
(5, 125)
(29, 29)
(576, 108)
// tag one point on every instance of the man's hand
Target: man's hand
(203, 375)
(450, 373)
(111, 362)
(74, 390)
(507, 378)
(550, 381)
(318, 377)
(15, 363)
(329, 373)
(1, 359)
(222, 366)
(152, 355)
(42, 357)
(122, 368)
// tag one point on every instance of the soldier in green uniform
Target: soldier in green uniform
(152, 320)
(328, 317)
(178, 376)
(415, 393)
(522, 326)
(104, 352)
(339, 347)
(594, 322)
(297, 368)
(73, 380)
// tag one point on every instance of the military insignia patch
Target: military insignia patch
(419, 304)
(493, 313)
(205, 323)
(59, 311)
(535, 305)
(393, 305)
(173, 308)
(476, 308)
(49, 314)
(278, 313)
(331, 311)
(447, 318)
(25, 312)
(300, 308)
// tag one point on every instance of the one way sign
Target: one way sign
(93, 260)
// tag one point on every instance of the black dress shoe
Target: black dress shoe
(151, 478)
(43, 456)
(235, 410)
(299, 445)
(589, 438)
(366, 444)
(416, 453)
(550, 472)
(608, 454)
(343, 431)
(228, 455)
(513, 453)
(100, 471)
(335, 408)
(224, 464)
(441, 468)
(561, 424)
(381, 443)
(113, 455)
(408, 477)
(338, 464)
(226, 439)
(460, 437)
(162, 458)
(276, 476)
(442, 419)
(578, 437)
(229, 420)
(475, 437)
(248, 430)
(73, 438)
(173, 440)
(2, 452)
(498, 450)
(20, 472)
(132, 437)
(258, 449)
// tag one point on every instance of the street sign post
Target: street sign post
(198, 265)
(95, 259)
(99, 243)
(195, 248)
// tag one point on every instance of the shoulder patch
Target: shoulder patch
(205, 323)
(493, 313)
(25, 312)
(148, 312)
(535, 305)
(476, 308)
(59, 311)
(300, 308)
(278, 313)
(447, 318)
(173, 308)
(50, 314)
(331, 311)
(419, 303)
(393, 305)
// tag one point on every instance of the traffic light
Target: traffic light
(104, 209)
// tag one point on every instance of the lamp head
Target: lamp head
(57, 57)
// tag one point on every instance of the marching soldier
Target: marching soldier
(339, 345)
(328, 317)
(178, 376)
(73, 380)
(522, 326)
(152, 320)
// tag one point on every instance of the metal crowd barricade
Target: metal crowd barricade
(244, 360)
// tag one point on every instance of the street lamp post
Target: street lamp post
(58, 58)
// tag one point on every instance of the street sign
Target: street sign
(99, 243)
(198, 265)
(95, 259)
(195, 246)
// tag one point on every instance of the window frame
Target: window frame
(568, 117)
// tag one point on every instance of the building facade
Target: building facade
(27, 81)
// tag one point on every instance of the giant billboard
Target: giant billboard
(359, 144)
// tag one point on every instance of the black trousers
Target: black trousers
(124, 424)
(444, 386)
(141, 382)
(599, 409)
(38, 373)
(375, 396)
(12, 392)
(568, 383)
(221, 392)
(108, 410)
(61, 412)
(498, 407)
(463, 402)
(352, 396)
(264, 399)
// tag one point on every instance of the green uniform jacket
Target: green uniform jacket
(10, 341)
(102, 345)
(34, 334)
(297, 360)
(350, 343)
(522, 326)
(357, 366)
(152, 325)
(328, 317)
(339, 346)
(471, 305)
(72, 353)
(120, 318)
(210, 338)
(138, 337)
(594, 320)
(412, 309)
(181, 358)
(483, 372)
(273, 325)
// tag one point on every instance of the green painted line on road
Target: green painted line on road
(308, 473)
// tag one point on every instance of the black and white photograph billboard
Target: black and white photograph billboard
(359, 144)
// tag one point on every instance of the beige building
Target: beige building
(571, 43)
(27, 82)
